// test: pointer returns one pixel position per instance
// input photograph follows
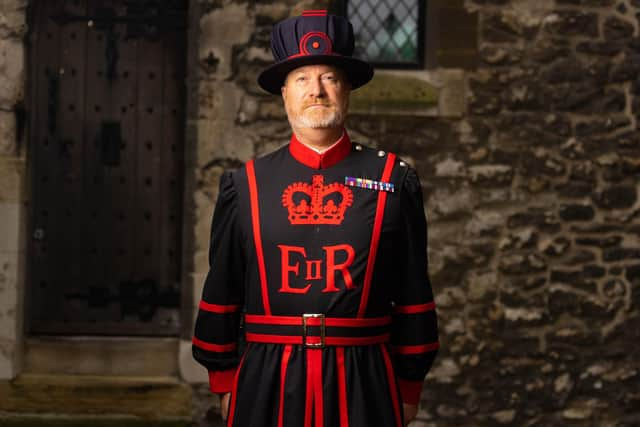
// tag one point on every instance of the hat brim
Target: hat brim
(358, 72)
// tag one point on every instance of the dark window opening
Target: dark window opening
(388, 33)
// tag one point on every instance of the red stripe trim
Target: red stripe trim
(220, 309)
(414, 309)
(315, 355)
(410, 391)
(415, 349)
(222, 381)
(291, 339)
(393, 388)
(375, 236)
(283, 376)
(315, 12)
(234, 393)
(255, 220)
(314, 321)
(218, 348)
(342, 388)
(308, 401)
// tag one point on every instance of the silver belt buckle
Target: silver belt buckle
(305, 317)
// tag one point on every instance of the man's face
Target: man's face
(316, 96)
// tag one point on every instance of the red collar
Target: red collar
(315, 160)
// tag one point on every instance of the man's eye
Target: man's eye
(301, 79)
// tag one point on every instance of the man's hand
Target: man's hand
(224, 405)
(410, 412)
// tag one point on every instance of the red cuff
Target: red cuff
(221, 381)
(410, 391)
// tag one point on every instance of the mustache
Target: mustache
(310, 104)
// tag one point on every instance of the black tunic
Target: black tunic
(290, 238)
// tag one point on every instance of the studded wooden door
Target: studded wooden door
(106, 142)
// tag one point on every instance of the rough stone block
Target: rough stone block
(535, 216)
(599, 242)
(9, 235)
(576, 212)
(572, 23)
(587, 3)
(616, 29)
(12, 172)
(522, 263)
(602, 48)
(220, 31)
(13, 18)
(520, 239)
(7, 133)
(627, 70)
(485, 223)
(616, 197)
(222, 139)
(491, 174)
(11, 72)
(574, 189)
(497, 28)
(620, 253)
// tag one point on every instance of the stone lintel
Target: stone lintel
(412, 93)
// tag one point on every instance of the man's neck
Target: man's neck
(319, 139)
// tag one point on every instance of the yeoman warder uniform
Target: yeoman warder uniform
(323, 259)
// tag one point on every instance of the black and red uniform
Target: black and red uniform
(331, 281)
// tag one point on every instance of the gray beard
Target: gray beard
(332, 120)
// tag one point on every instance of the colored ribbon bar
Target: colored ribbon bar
(369, 184)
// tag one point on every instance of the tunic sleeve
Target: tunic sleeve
(215, 340)
(414, 336)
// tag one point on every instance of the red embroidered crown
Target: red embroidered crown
(317, 202)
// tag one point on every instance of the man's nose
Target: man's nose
(316, 87)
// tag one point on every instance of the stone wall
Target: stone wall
(535, 221)
(531, 194)
(12, 173)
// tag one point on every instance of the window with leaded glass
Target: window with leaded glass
(388, 33)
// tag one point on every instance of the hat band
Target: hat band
(318, 12)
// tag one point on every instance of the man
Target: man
(322, 244)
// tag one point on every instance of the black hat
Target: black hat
(313, 38)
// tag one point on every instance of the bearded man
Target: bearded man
(320, 248)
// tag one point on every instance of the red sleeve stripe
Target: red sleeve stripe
(217, 348)
(221, 309)
(415, 349)
(414, 309)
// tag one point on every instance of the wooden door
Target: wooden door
(107, 88)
